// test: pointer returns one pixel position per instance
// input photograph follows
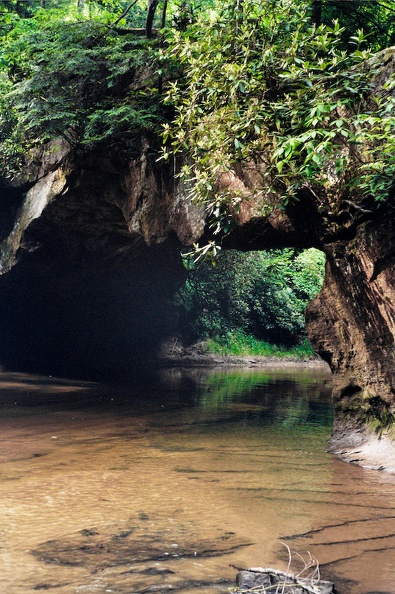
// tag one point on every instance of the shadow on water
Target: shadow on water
(167, 484)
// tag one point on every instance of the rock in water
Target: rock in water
(281, 581)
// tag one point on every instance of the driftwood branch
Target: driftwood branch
(357, 207)
(275, 581)
(115, 23)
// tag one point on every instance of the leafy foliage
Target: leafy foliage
(62, 74)
(375, 17)
(257, 82)
(262, 295)
(263, 85)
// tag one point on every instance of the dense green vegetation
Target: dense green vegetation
(78, 75)
(259, 74)
(375, 18)
(263, 85)
(251, 303)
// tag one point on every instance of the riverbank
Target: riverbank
(174, 353)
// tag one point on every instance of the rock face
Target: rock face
(352, 325)
(90, 256)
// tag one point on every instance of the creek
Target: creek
(168, 484)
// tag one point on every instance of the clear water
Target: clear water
(172, 483)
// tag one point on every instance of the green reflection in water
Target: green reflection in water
(274, 400)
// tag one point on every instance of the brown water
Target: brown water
(165, 485)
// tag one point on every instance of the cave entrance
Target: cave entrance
(73, 312)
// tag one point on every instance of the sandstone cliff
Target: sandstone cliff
(90, 256)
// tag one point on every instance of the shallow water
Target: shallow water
(172, 483)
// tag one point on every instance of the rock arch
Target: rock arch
(89, 240)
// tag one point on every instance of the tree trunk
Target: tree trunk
(316, 12)
(152, 5)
